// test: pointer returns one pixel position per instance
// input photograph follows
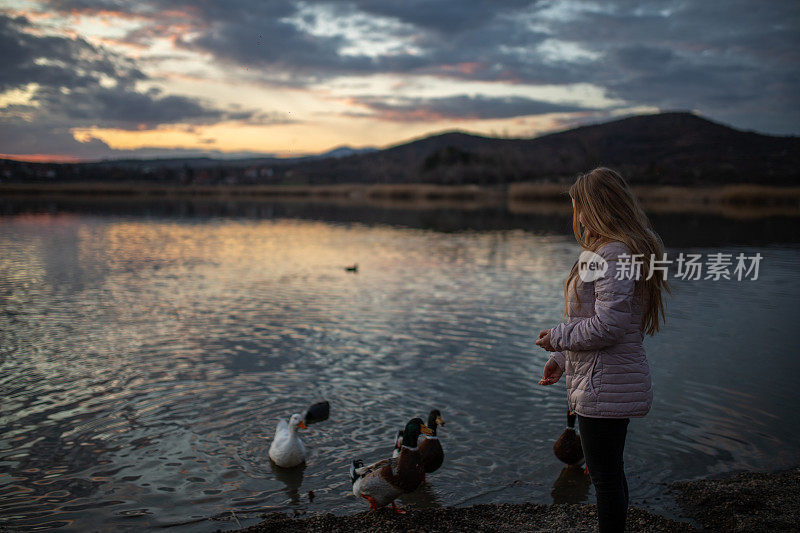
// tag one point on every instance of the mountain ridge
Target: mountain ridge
(676, 147)
(670, 148)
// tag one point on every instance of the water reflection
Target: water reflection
(143, 357)
(572, 486)
(425, 497)
(292, 478)
(676, 225)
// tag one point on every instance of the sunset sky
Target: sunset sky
(85, 79)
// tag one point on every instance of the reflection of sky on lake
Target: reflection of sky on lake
(143, 359)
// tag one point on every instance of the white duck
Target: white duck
(287, 449)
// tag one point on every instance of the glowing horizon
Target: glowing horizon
(282, 79)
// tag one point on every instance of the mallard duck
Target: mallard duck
(398, 443)
(287, 449)
(430, 449)
(382, 482)
(568, 446)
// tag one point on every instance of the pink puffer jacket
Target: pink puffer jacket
(600, 347)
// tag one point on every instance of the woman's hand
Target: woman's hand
(551, 373)
(544, 340)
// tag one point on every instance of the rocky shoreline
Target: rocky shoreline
(747, 501)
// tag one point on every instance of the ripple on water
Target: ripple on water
(144, 363)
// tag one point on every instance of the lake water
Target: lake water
(146, 351)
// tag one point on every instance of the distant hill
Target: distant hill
(668, 148)
(344, 151)
(677, 148)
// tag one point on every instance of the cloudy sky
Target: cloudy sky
(85, 79)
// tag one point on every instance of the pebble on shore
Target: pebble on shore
(749, 501)
(490, 517)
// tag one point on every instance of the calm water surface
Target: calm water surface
(145, 356)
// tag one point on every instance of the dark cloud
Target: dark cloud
(46, 137)
(81, 85)
(460, 40)
(461, 107)
(677, 81)
(264, 37)
(124, 108)
(55, 61)
(734, 61)
(273, 37)
(446, 18)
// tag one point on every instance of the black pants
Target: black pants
(603, 441)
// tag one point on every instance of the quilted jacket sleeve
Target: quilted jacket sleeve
(612, 305)
(560, 359)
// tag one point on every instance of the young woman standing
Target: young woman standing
(600, 346)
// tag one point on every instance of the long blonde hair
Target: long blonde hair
(611, 211)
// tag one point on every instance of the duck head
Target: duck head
(570, 420)
(296, 421)
(414, 428)
(435, 420)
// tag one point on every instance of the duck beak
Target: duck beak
(302, 425)
(426, 430)
(439, 421)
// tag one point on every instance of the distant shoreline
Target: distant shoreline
(739, 201)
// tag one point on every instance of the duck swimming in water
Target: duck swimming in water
(382, 482)
(287, 450)
(317, 413)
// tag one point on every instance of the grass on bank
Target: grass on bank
(750, 199)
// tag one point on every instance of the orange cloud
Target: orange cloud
(41, 158)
